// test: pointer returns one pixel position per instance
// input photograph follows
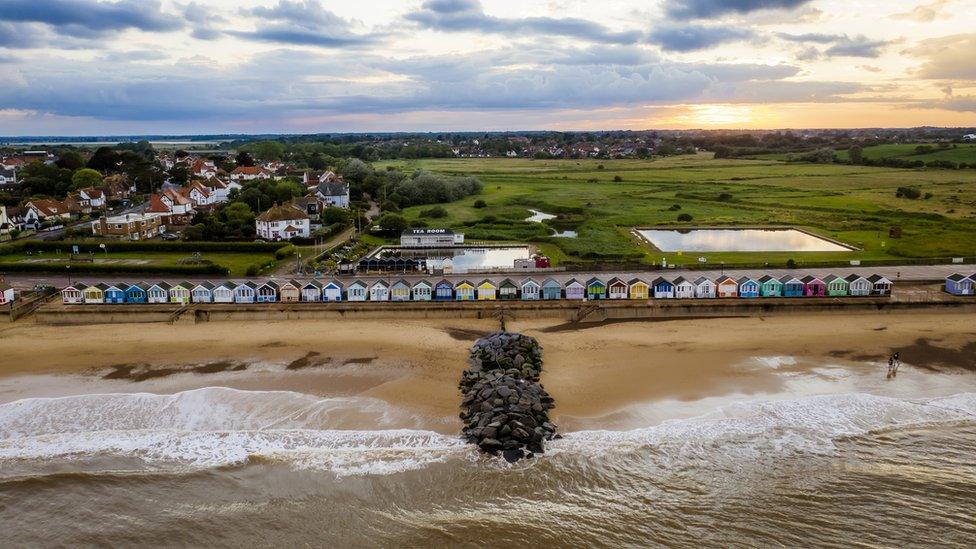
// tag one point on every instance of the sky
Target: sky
(96, 67)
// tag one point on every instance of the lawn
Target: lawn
(957, 152)
(238, 263)
(604, 199)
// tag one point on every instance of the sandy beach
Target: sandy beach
(591, 370)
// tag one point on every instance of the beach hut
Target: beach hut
(748, 287)
(617, 289)
(596, 289)
(531, 290)
(245, 292)
(464, 291)
(400, 291)
(857, 285)
(95, 294)
(423, 291)
(551, 290)
(813, 286)
(683, 288)
(202, 293)
(792, 286)
(357, 291)
(770, 286)
(836, 286)
(958, 284)
(158, 293)
(379, 291)
(312, 292)
(114, 294)
(704, 288)
(879, 285)
(73, 294)
(267, 292)
(224, 292)
(332, 291)
(575, 289)
(638, 289)
(487, 291)
(727, 286)
(444, 291)
(508, 290)
(7, 295)
(663, 288)
(136, 293)
(290, 292)
(180, 293)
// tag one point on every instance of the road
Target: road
(49, 235)
(289, 266)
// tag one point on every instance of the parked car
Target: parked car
(169, 236)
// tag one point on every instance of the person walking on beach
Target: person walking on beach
(891, 367)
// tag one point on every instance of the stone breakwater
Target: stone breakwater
(505, 408)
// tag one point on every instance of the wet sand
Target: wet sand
(591, 370)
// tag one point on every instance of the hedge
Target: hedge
(85, 246)
(114, 268)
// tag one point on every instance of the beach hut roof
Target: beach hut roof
(743, 279)
(853, 277)
(183, 284)
(334, 284)
(445, 282)
(810, 278)
(661, 280)
(312, 284)
(359, 283)
(831, 278)
(573, 282)
(487, 282)
(768, 278)
(595, 282)
(464, 283)
(102, 286)
(680, 280)
(529, 282)
(138, 285)
(228, 285)
(250, 285)
(727, 278)
(508, 283)
(80, 287)
(401, 283)
(703, 280)
(956, 277)
(270, 284)
(633, 281)
(162, 285)
(380, 283)
(422, 283)
(550, 282)
(205, 285)
(789, 278)
(878, 278)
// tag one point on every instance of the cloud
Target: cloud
(684, 37)
(948, 57)
(706, 9)
(305, 23)
(90, 18)
(469, 16)
(958, 103)
(869, 68)
(841, 45)
(924, 13)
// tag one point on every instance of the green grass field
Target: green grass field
(961, 152)
(854, 204)
(236, 262)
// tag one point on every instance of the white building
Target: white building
(430, 238)
(283, 223)
(249, 173)
(334, 194)
(8, 176)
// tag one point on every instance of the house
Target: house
(879, 285)
(770, 286)
(8, 176)
(333, 194)
(663, 288)
(224, 293)
(957, 284)
(444, 291)
(357, 291)
(202, 293)
(94, 294)
(180, 293)
(400, 291)
(574, 289)
(596, 289)
(858, 285)
(158, 293)
(6, 293)
(331, 291)
(312, 291)
(132, 226)
(73, 294)
(178, 205)
(245, 293)
(197, 193)
(639, 289)
(92, 198)
(114, 294)
(748, 287)
(792, 286)
(704, 288)
(727, 287)
(836, 286)
(464, 291)
(551, 290)
(508, 290)
(45, 209)
(430, 238)
(616, 289)
(136, 293)
(283, 223)
(6, 225)
(379, 291)
(249, 173)
(267, 292)
(422, 291)
(683, 288)
(531, 290)
(813, 286)
(487, 291)
(289, 292)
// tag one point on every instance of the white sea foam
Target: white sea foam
(215, 427)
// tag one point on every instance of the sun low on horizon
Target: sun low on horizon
(89, 67)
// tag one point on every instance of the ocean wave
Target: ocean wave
(218, 427)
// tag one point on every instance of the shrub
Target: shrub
(599, 167)
(928, 196)
(617, 179)
(685, 217)
(286, 251)
(107, 268)
(725, 197)
(437, 212)
(790, 263)
(480, 204)
(418, 223)
(675, 207)
(910, 193)
(85, 246)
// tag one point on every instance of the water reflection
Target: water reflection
(465, 259)
(738, 240)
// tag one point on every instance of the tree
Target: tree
(104, 159)
(84, 178)
(70, 160)
(392, 222)
(179, 173)
(684, 217)
(244, 158)
(856, 153)
(480, 204)
(331, 216)
(266, 151)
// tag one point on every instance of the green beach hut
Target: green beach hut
(836, 286)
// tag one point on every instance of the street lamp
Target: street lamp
(68, 269)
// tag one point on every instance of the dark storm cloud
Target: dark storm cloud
(90, 18)
(684, 38)
(706, 9)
